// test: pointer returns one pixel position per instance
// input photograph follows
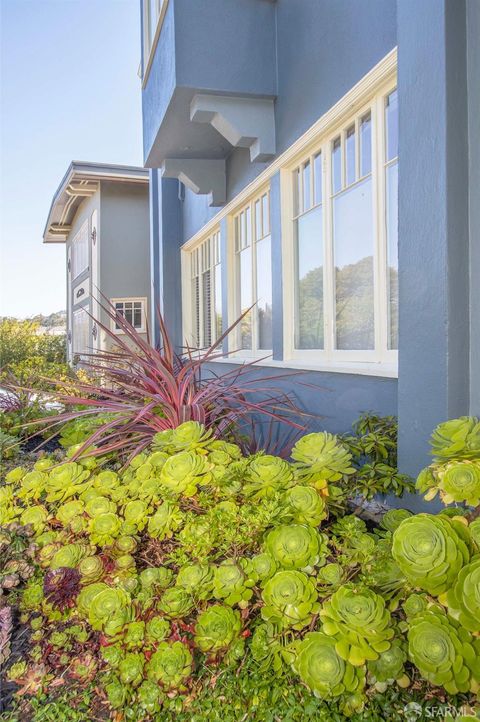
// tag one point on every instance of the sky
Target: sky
(69, 90)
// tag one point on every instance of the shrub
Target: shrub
(164, 578)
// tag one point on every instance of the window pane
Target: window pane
(336, 166)
(137, 317)
(152, 19)
(258, 220)
(317, 175)
(243, 230)
(245, 279)
(265, 215)
(365, 145)
(248, 226)
(306, 186)
(80, 330)
(350, 155)
(264, 293)
(391, 120)
(206, 310)
(218, 301)
(392, 254)
(309, 281)
(297, 191)
(353, 248)
(129, 313)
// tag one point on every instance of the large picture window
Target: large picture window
(206, 292)
(253, 275)
(344, 300)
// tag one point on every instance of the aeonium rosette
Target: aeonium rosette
(429, 551)
(359, 622)
(183, 472)
(323, 670)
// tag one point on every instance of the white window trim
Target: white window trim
(130, 299)
(150, 44)
(384, 73)
(186, 258)
(330, 356)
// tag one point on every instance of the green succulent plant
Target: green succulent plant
(190, 436)
(69, 555)
(71, 510)
(443, 652)
(176, 602)
(130, 668)
(112, 655)
(323, 670)
(270, 648)
(166, 520)
(456, 439)
(429, 551)
(463, 598)
(217, 628)
(159, 577)
(99, 505)
(231, 584)
(136, 512)
(66, 480)
(305, 505)
(359, 622)
(330, 576)
(390, 665)
(170, 665)
(91, 569)
(134, 634)
(183, 472)
(393, 518)
(109, 609)
(266, 475)
(296, 546)
(414, 604)
(117, 692)
(474, 529)
(150, 697)
(36, 516)
(196, 579)
(260, 567)
(460, 482)
(321, 458)
(157, 629)
(290, 600)
(104, 528)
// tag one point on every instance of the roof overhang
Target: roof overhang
(79, 182)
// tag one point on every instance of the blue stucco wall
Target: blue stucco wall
(433, 223)
(323, 47)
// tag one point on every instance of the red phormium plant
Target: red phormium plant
(147, 389)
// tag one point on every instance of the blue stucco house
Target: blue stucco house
(322, 159)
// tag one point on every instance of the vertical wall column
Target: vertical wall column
(433, 222)
(226, 287)
(473, 79)
(277, 267)
(165, 242)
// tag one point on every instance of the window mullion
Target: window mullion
(328, 269)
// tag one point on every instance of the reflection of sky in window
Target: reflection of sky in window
(246, 278)
(310, 251)
(392, 215)
(264, 272)
(353, 224)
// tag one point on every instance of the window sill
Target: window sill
(385, 370)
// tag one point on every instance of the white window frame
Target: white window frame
(234, 249)
(330, 356)
(151, 32)
(130, 299)
(204, 257)
(80, 256)
(383, 73)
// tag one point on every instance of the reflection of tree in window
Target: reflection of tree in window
(354, 305)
